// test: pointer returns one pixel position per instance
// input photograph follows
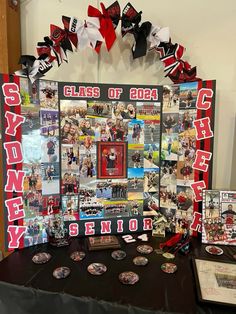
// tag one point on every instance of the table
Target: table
(29, 288)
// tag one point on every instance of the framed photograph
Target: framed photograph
(112, 160)
(103, 243)
(215, 281)
(219, 217)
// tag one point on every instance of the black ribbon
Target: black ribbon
(114, 12)
(140, 34)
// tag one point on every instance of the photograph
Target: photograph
(150, 203)
(49, 121)
(151, 179)
(169, 174)
(99, 109)
(50, 176)
(187, 148)
(188, 95)
(51, 205)
(91, 210)
(32, 178)
(48, 94)
(69, 183)
(36, 231)
(183, 220)
(29, 92)
(148, 110)
(69, 132)
(152, 131)
(112, 189)
(111, 160)
(171, 98)
(70, 157)
(169, 214)
(32, 203)
(87, 166)
(186, 126)
(159, 226)
(170, 146)
(73, 109)
(135, 156)
(114, 209)
(107, 130)
(185, 173)
(151, 156)
(184, 199)
(32, 122)
(86, 127)
(135, 207)
(123, 110)
(136, 132)
(170, 123)
(70, 207)
(168, 198)
(31, 147)
(49, 149)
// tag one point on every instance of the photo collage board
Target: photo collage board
(87, 158)
(111, 156)
(178, 153)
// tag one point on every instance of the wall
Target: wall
(206, 28)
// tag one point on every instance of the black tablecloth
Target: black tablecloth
(29, 288)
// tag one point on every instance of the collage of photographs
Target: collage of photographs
(219, 217)
(109, 158)
(177, 156)
(40, 146)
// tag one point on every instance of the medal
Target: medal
(41, 258)
(77, 256)
(159, 251)
(61, 272)
(140, 261)
(168, 255)
(118, 255)
(169, 268)
(144, 249)
(97, 269)
(214, 250)
(128, 278)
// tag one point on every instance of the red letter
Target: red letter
(203, 128)
(119, 225)
(202, 104)
(200, 160)
(196, 224)
(15, 181)
(13, 208)
(89, 228)
(197, 188)
(105, 226)
(73, 229)
(13, 121)
(133, 225)
(14, 152)
(147, 224)
(16, 232)
(11, 93)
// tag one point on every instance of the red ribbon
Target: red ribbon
(106, 26)
(173, 240)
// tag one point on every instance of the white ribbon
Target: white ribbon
(158, 35)
(87, 32)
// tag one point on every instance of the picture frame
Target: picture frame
(219, 217)
(112, 160)
(215, 281)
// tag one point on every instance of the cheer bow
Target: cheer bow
(158, 35)
(106, 26)
(87, 32)
(34, 68)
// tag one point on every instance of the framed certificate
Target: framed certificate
(216, 281)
